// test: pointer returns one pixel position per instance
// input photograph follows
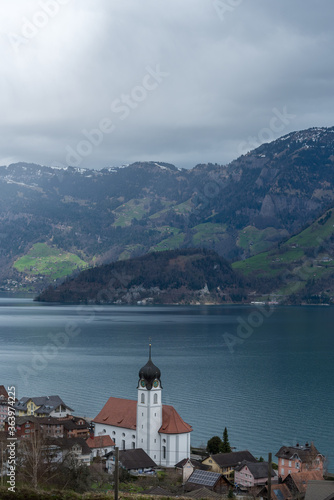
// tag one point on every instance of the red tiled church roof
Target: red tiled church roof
(100, 442)
(118, 412)
(172, 423)
(123, 413)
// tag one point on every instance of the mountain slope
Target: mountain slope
(301, 269)
(179, 276)
(237, 210)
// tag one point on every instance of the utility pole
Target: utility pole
(116, 472)
(269, 476)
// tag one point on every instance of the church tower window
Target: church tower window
(155, 399)
(142, 398)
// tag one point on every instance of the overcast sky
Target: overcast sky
(97, 83)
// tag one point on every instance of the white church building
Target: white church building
(146, 423)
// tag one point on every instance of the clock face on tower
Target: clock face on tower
(142, 383)
(156, 383)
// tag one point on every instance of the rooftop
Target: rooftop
(136, 459)
(258, 469)
(301, 479)
(120, 412)
(233, 459)
(100, 442)
(204, 477)
(306, 453)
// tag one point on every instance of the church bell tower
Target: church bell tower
(149, 410)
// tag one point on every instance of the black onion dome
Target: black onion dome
(149, 373)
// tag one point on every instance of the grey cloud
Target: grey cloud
(225, 77)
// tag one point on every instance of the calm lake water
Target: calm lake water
(275, 388)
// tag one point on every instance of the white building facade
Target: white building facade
(146, 423)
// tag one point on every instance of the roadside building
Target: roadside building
(297, 482)
(225, 463)
(3, 406)
(295, 459)
(249, 474)
(44, 406)
(213, 481)
(100, 445)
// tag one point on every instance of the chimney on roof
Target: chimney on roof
(297, 445)
(307, 445)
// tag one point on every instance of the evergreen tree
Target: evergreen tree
(225, 448)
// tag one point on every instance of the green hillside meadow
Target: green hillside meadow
(50, 261)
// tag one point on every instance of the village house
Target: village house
(212, 480)
(294, 459)
(100, 445)
(135, 461)
(278, 492)
(25, 426)
(249, 474)
(225, 463)
(3, 406)
(71, 449)
(44, 406)
(75, 427)
(297, 482)
(187, 467)
(51, 426)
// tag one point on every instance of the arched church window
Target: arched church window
(164, 452)
(142, 399)
(155, 399)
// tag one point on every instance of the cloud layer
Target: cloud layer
(103, 82)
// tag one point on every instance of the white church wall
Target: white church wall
(123, 438)
(177, 448)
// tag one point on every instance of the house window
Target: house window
(289, 471)
(297, 465)
(289, 463)
(282, 471)
(282, 461)
(164, 452)
(142, 398)
(155, 399)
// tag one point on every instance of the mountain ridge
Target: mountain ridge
(236, 210)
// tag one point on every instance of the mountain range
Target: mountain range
(56, 221)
